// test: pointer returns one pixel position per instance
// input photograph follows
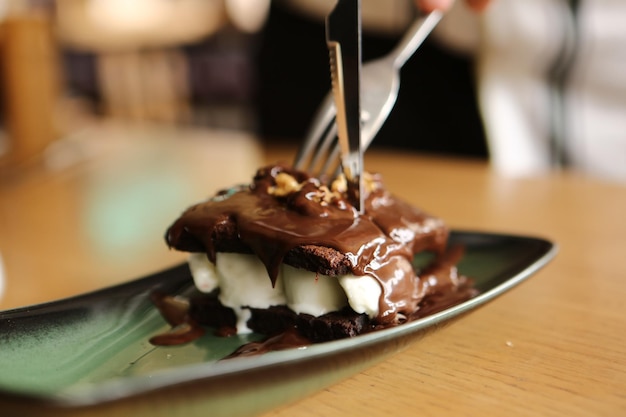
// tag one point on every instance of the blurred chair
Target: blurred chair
(30, 84)
(142, 74)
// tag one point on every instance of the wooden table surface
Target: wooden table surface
(554, 346)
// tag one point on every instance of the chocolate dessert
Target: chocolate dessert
(289, 253)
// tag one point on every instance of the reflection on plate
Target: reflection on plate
(90, 354)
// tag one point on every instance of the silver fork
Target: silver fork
(380, 82)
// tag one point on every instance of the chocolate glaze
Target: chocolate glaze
(289, 339)
(176, 311)
(446, 288)
(380, 243)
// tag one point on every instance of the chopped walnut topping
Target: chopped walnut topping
(324, 196)
(370, 183)
(285, 185)
(340, 185)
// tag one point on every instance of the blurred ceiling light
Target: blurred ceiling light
(248, 15)
(124, 15)
(117, 25)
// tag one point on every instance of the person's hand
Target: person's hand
(430, 5)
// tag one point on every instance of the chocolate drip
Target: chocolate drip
(176, 311)
(289, 339)
(289, 330)
(380, 243)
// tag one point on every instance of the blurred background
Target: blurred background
(180, 62)
(251, 65)
(115, 115)
(548, 75)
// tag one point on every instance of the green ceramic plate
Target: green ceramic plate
(90, 354)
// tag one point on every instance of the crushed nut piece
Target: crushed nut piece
(340, 185)
(285, 185)
(369, 181)
(324, 196)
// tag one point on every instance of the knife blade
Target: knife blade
(343, 38)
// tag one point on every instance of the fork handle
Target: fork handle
(414, 36)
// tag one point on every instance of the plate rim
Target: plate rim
(109, 390)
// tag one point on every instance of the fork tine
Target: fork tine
(332, 166)
(322, 157)
(319, 127)
(375, 107)
(319, 153)
(323, 160)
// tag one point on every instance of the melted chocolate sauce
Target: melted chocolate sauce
(290, 339)
(380, 243)
(175, 310)
(446, 289)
